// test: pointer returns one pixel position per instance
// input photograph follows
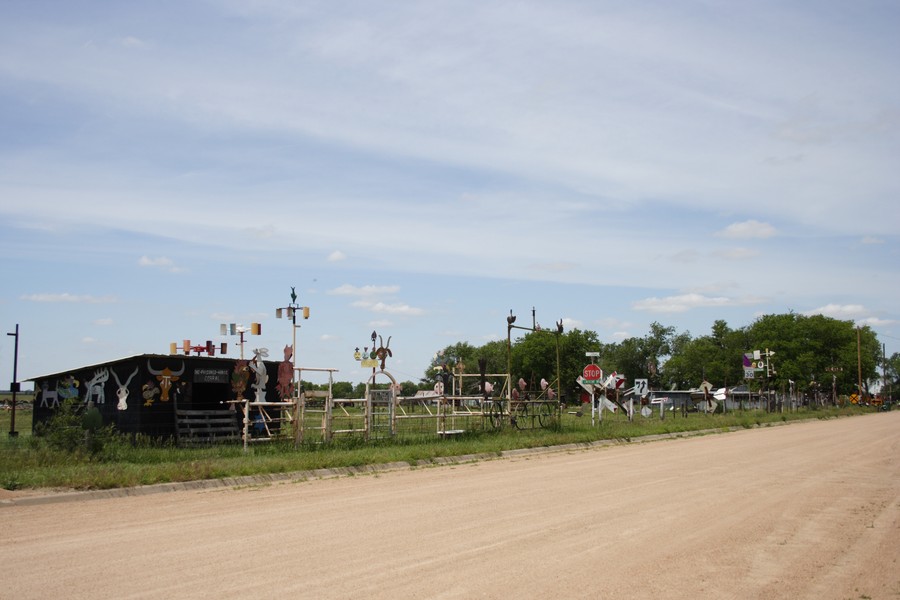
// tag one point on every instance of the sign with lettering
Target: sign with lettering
(210, 375)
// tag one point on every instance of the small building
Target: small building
(156, 395)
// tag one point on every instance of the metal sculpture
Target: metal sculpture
(259, 370)
(285, 385)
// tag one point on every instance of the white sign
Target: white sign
(641, 387)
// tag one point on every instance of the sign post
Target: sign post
(591, 375)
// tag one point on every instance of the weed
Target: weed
(60, 455)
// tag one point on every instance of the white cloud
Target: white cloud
(685, 302)
(747, 230)
(66, 297)
(391, 309)
(103, 322)
(366, 290)
(875, 322)
(514, 162)
(844, 312)
(570, 324)
(132, 42)
(857, 313)
(160, 262)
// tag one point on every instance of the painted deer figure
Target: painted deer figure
(383, 351)
(95, 386)
(122, 392)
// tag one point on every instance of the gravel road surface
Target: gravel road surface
(804, 510)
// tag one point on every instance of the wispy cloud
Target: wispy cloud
(857, 313)
(471, 156)
(390, 309)
(839, 311)
(69, 298)
(685, 302)
(365, 290)
(751, 229)
(160, 262)
(570, 324)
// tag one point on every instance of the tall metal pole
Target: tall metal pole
(859, 363)
(14, 386)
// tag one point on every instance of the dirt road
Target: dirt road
(807, 510)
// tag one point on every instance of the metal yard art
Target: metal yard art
(206, 399)
(460, 401)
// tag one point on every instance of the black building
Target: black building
(150, 393)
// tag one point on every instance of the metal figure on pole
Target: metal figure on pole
(290, 311)
(834, 371)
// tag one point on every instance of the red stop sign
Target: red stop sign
(592, 372)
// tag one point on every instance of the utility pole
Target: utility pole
(14, 386)
(859, 363)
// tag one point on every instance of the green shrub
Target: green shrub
(76, 429)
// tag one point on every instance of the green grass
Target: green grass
(31, 462)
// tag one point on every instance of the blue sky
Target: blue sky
(422, 168)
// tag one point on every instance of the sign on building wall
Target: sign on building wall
(211, 375)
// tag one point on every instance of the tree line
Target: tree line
(811, 354)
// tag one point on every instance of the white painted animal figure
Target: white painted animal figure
(95, 386)
(259, 370)
(47, 395)
(122, 392)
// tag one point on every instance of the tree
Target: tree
(892, 372)
(814, 349)
(408, 388)
(715, 358)
(574, 345)
(342, 389)
(643, 358)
